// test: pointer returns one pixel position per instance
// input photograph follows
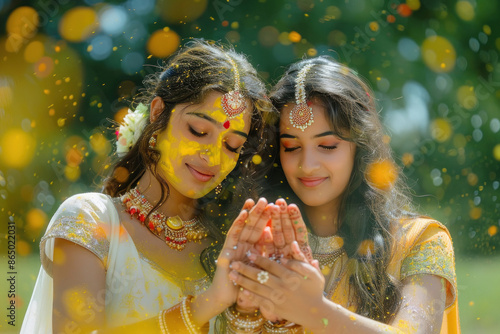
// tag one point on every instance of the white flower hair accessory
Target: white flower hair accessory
(129, 132)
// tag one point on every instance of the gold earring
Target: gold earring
(218, 189)
(152, 140)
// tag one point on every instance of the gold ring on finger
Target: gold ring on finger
(263, 277)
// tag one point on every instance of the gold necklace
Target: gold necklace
(326, 249)
(177, 232)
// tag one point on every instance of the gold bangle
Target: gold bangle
(282, 328)
(187, 316)
(247, 323)
(161, 322)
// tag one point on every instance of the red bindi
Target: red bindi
(226, 124)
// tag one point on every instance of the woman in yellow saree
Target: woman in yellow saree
(378, 267)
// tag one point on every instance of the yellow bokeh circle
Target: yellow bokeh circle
(441, 130)
(439, 54)
(467, 97)
(382, 174)
(176, 11)
(17, 147)
(475, 213)
(23, 248)
(36, 220)
(257, 159)
(23, 21)
(163, 43)
(465, 10)
(72, 173)
(34, 51)
(496, 152)
(100, 144)
(294, 37)
(78, 24)
(268, 36)
(413, 4)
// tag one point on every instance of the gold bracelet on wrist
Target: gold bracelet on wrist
(246, 323)
(282, 328)
(187, 317)
(178, 319)
(161, 322)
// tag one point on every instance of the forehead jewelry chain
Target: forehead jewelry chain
(233, 102)
(301, 115)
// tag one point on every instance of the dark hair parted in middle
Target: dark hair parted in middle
(367, 212)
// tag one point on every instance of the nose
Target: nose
(211, 154)
(309, 162)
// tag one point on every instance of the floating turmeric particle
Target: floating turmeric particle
(492, 230)
(382, 174)
(475, 213)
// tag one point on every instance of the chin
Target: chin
(313, 202)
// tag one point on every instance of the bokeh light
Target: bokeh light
(441, 130)
(112, 19)
(23, 22)
(78, 24)
(34, 51)
(140, 7)
(36, 219)
(465, 10)
(466, 97)
(382, 174)
(178, 11)
(132, 62)
(100, 47)
(17, 148)
(408, 49)
(163, 43)
(438, 54)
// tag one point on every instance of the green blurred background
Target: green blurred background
(69, 68)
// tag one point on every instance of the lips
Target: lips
(312, 181)
(200, 174)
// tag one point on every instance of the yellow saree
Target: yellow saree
(423, 247)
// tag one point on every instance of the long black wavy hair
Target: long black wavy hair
(368, 212)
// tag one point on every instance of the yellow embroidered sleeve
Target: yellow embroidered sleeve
(82, 220)
(433, 254)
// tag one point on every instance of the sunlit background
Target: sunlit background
(68, 69)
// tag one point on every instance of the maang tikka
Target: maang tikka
(233, 102)
(301, 115)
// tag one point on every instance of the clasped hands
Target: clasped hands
(267, 258)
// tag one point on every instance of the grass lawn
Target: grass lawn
(478, 289)
(478, 293)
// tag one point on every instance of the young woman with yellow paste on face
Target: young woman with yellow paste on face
(141, 257)
(378, 267)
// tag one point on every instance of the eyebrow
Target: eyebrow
(213, 121)
(323, 134)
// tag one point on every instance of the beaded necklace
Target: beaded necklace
(326, 249)
(177, 232)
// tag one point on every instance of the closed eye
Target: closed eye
(230, 148)
(328, 147)
(196, 133)
(291, 149)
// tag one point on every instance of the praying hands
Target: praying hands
(277, 263)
